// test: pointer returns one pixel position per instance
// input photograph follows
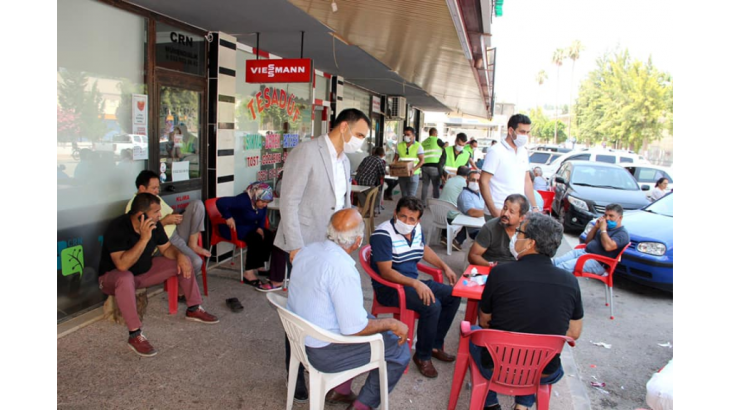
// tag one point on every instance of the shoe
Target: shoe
(442, 355)
(301, 394)
(443, 241)
(425, 367)
(234, 304)
(494, 407)
(200, 315)
(141, 346)
(457, 245)
(335, 398)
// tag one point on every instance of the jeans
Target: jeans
(409, 185)
(527, 401)
(569, 259)
(432, 175)
(461, 236)
(435, 320)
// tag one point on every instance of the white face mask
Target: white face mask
(458, 148)
(407, 139)
(512, 243)
(520, 139)
(353, 144)
(403, 228)
(474, 186)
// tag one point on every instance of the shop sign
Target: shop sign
(290, 70)
(376, 105)
(273, 98)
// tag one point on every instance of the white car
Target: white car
(542, 158)
(598, 155)
(648, 175)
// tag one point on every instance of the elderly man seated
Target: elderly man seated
(539, 183)
(530, 296)
(470, 203)
(325, 290)
(492, 243)
(606, 238)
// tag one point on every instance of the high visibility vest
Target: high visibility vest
(460, 160)
(404, 151)
(431, 151)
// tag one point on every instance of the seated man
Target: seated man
(540, 183)
(539, 202)
(127, 264)
(452, 189)
(325, 289)
(182, 229)
(492, 243)
(397, 247)
(370, 172)
(607, 238)
(530, 296)
(470, 203)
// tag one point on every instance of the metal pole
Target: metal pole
(301, 51)
(257, 45)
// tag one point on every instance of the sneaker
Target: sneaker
(201, 316)
(456, 245)
(443, 241)
(141, 346)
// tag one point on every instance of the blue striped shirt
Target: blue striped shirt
(388, 245)
(325, 289)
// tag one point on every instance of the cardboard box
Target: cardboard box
(401, 168)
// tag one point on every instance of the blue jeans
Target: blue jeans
(335, 358)
(569, 259)
(409, 185)
(435, 320)
(527, 401)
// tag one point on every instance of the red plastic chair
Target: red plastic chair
(399, 312)
(215, 236)
(519, 360)
(171, 284)
(609, 264)
(547, 197)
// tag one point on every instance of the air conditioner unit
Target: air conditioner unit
(397, 107)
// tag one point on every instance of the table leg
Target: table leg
(471, 311)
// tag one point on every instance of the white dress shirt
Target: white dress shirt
(338, 170)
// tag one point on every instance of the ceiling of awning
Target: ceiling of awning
(396, 47)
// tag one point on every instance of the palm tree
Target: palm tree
(558, 57)
(541, 77)
(574, 54)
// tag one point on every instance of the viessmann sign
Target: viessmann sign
(295, 70)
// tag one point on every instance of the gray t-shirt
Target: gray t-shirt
(493, 237)
(619, 235)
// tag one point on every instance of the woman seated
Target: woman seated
(660, 189)
(246, 214)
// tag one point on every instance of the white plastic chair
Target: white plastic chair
(320, 383)
(440, 209)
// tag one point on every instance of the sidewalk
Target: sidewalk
(238, 363)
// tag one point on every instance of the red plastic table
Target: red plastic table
(472, 293)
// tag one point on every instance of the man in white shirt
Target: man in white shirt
(325, 289)
(506, 169)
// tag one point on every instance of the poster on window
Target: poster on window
(180, 171)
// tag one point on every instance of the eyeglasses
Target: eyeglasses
(518, 230)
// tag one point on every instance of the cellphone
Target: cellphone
(139, 218)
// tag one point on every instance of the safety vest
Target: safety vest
(460, 160)
(412, 153)
(431, 151)
(468, 149)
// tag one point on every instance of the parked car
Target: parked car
(649, 259)
(648, 175)
(583, 189)
(597, 155)
(123, 142)
(552, 148)
(542, 158)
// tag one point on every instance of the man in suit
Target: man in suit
(317, 185)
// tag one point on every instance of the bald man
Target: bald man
(325, 290)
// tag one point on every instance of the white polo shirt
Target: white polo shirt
(508, 172)
(338, 170)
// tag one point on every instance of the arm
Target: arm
(575, 328)
(421, 159)
(183, 263)
(383, 325)
(484, 319)
(487, 193)
(476, 257)
(606, 241)
(530, 192)
(298, 171)
(475, 212)
(392, 275)
(594, 231)
(124, 260)
(430, 256)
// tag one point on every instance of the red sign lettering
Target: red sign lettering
(293, 70)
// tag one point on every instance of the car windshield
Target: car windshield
(604, 177)
(539, 157)
(664, 206)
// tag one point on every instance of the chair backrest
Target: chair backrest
(369, 206)
(365, 252)
(519, 358)
(547, 197)
(440, 209)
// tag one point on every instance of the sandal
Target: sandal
(234, 305)
(260, 286)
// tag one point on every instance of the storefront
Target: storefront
(351, 96)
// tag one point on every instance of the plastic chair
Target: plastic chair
(297, 329)
(215, 236)
(547, 197)
(399, 312)
(609, 265)
(440, 209)
(368, 210)
(519, 360)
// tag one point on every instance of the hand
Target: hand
(495, 212)
(601, 223)
(172, 219)
(146, 226)
(184, 266)
(231, 223)
(424, 293)
(410, 173)
(450, 275)
(292, 254)
(401, 330)
(260, 232)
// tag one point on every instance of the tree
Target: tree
(541, 77)
(87, 106)
(558, 57)
(574, 54)
(624, 101)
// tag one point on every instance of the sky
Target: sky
(529, 32)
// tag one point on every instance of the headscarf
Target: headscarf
(259, 191)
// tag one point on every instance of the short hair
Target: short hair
(537, 170)
(473, 141)
(616, 208)
(545, 231)
(494, 142)
(471, 172)
(520, 199)
(463, 171)
(142, 202)
(518, 119)
(144, 177)
(351, 116)
(409, 129)
(345, 239)
(659, 182)
(378, 151)
(412, 203)
(432, 131)
(461, 137)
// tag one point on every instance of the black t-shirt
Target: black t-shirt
(493, 237)
(531, 296)
(120, 236)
